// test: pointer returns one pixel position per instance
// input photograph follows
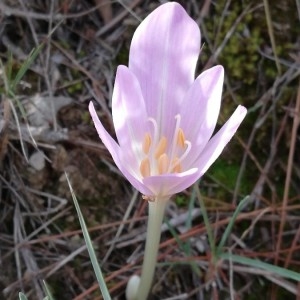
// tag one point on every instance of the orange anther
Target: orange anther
(145, 167)
(163, 164)
(176, 165)
(147, 143)
(161, 147)
(180, 138)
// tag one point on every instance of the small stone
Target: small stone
(37, 160)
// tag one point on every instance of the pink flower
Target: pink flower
(163, 117)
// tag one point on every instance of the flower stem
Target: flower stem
(155, 219)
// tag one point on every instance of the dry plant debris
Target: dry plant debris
(45, 129)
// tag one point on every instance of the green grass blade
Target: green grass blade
(185, 246)
(282, 272)
(90, 248)
(22, 296)
(8, 72)
(191, 206)
(180, 243)
(48, 293)
(25, 66)
(209, 230)
(188, 223)
(271, 34)
(18, 127)
(230, 224)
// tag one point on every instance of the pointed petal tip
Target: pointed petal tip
(242, 111)
(92, 111)
(214, 75)
(121, 68)
(170, 5)
(218, 142)
(219, 69)
(234, 121)
(116, 153)
(218, 72)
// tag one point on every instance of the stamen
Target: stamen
(164, 155)
(187, 150)
(175, 136)
(147, 143)
(161, 147)
(155, 130)
(176, 165)
(145, 168)
(163, 164)
(180, 138)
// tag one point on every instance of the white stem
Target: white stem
(155, 218)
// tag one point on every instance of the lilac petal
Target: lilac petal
(116, 153)
(129, 115)
(200, 110)
(107, 140)
(217, 143)
(170, 184)
(163, 56)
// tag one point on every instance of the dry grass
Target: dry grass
(46, 129)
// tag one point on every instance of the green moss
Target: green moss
(181, 201)
(225, 173)
(241, 55)
(122, 57)
(74, 88)
(86, 117)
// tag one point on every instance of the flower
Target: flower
(163, 117)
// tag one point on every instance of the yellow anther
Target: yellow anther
(163, 164)
(176, 166)
(161, 147)
(180, 138)
(147, 143)
(145, 167)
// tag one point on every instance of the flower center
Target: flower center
(163, 155)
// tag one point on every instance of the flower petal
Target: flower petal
(129, 115)
(170, 184)
(163, 56)
(217, 143)
(200, 110)
(116, 153)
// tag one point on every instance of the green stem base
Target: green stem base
(155, 219)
